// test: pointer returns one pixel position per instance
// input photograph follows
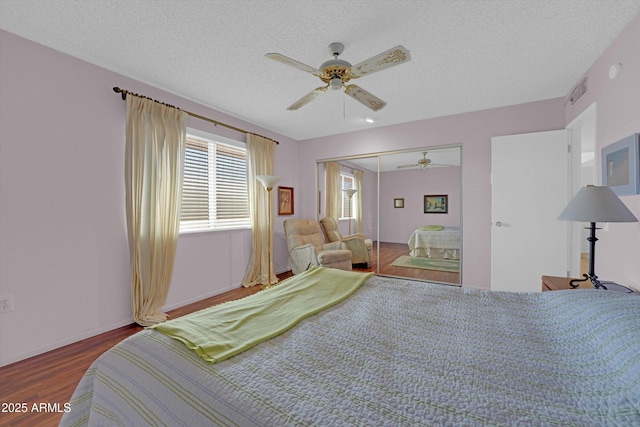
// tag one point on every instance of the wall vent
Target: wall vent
(578, 91)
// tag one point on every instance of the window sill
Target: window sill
(212, 230)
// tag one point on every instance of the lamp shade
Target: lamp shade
(350, 192)
(596, 204)
(268, 180)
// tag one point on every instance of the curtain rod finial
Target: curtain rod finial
(116, 89)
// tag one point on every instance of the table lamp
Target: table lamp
(595, 204)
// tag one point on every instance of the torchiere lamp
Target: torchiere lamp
(595, 204)
(268, 181)
(350, 192)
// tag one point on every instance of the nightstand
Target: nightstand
(555, 283)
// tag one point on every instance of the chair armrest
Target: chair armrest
(356, 245)
(361, 252)
(337, 258)
(334, 246)
(359, 236)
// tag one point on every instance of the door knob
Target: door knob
(498, 223)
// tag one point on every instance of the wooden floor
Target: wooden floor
(51, 378)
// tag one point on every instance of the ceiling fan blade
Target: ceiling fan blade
(292, 62)
(424, 166)
(307, 98)
(367, 99)
(389, 58)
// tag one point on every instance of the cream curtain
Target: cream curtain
(357, 178)
(333, 198)
(154, 156)
(260, 154)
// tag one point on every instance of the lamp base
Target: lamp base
(268, 285)
(592, 261)
(591, 277)
(597, 284)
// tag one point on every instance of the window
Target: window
(346, 182)
(214, 188)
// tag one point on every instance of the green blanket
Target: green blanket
(431, 228)
(220, 332)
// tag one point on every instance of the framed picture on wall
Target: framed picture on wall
(285, 201)
(436, 203)
(621, 166)
(398, 203)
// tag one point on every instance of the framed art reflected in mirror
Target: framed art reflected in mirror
(436, 203)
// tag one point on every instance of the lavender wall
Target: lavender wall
(396, 225)
(617, 116)
(63, 239)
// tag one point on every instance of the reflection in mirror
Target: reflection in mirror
(411, 209)
(421, 239)
(355, 212)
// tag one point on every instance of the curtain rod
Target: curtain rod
(124, 94)
(343, 165)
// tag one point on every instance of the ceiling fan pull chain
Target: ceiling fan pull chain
(344, 112)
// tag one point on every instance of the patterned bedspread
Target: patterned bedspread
(395, 353)
(443, 243)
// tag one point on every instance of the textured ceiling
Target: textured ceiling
(466, 55)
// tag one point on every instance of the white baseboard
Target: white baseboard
(199, 298)
(61, 343)
(93, 332)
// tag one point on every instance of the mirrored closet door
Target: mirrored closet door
(408, 203)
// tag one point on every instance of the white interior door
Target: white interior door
(529, 185)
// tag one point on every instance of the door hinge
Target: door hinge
(568, 148)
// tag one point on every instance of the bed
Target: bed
(435, 242)
(391, 353)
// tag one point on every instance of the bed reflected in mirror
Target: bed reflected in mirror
(411, 209)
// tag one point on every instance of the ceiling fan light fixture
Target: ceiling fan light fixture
(336, 83)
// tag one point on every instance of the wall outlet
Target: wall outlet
(6, 303)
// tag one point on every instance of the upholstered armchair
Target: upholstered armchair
(361, 248)
(307, 247)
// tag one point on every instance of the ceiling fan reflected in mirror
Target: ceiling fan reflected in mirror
(423, 163)
(336, 73)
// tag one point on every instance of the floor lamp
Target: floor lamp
(596, 204)
(268, 181)
(350, 192)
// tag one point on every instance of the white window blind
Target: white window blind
(346, 182)
(214, 189)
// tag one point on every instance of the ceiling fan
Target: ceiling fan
(336, 73)
(422, 163)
